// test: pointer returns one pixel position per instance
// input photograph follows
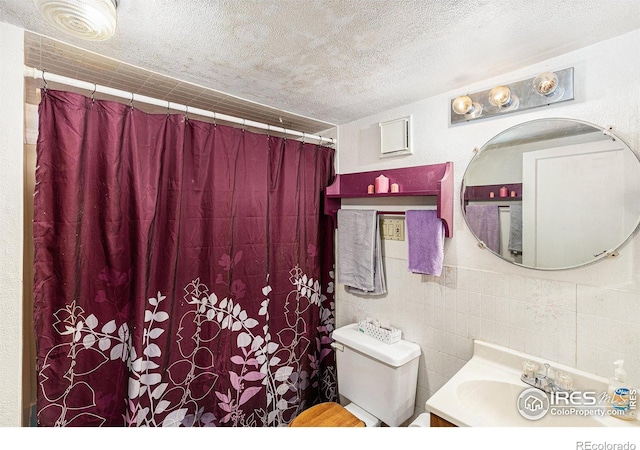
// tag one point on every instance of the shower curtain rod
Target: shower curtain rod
(51, 77)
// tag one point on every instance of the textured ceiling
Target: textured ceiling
(340, 60)
(58, 58)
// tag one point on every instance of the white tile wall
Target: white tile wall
(569, 316)
(576, 325)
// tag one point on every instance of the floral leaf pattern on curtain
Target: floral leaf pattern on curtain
(148, 335)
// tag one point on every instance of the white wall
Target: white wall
(585, 317)
(11, 212)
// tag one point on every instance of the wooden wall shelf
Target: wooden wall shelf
(481, 193)
(434, 180)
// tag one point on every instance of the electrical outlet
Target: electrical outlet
(393, 229)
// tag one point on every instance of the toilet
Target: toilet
(378, 379)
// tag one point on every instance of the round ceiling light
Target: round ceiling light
(93, 20)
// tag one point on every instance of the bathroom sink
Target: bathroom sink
(497, 401)
(488, 391)
(489, 398)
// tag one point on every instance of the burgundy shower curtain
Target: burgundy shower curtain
(183, 270)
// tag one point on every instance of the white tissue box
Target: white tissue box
(382, 334)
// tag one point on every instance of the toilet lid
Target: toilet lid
(329, 414)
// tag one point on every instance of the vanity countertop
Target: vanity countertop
(486, 392)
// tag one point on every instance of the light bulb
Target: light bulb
(462, 104)
(545, 84)
(465, 106)
(500, 96)
(503, 99)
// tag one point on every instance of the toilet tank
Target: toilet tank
(380, 378)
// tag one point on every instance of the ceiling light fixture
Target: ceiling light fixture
(546, 88)
(93, 20)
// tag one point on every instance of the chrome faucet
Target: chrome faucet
(545, 382)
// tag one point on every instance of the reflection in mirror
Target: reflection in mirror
(552, 194)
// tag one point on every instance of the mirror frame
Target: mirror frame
(492, 141)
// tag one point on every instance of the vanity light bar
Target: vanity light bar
(542, 90)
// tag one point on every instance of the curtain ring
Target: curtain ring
(168, 107)
(268, 130)
(93, 94)
(131, 102)
(214, 120)
(186, 113)
(45, 82)
(244, 121)
(303, 137)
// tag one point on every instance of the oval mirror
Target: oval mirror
(552, 194)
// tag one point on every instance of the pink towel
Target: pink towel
(425, 239)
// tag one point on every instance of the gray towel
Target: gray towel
(515, 232)
(360, 266)
(484, 222)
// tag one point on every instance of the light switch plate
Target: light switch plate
(393, 229)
